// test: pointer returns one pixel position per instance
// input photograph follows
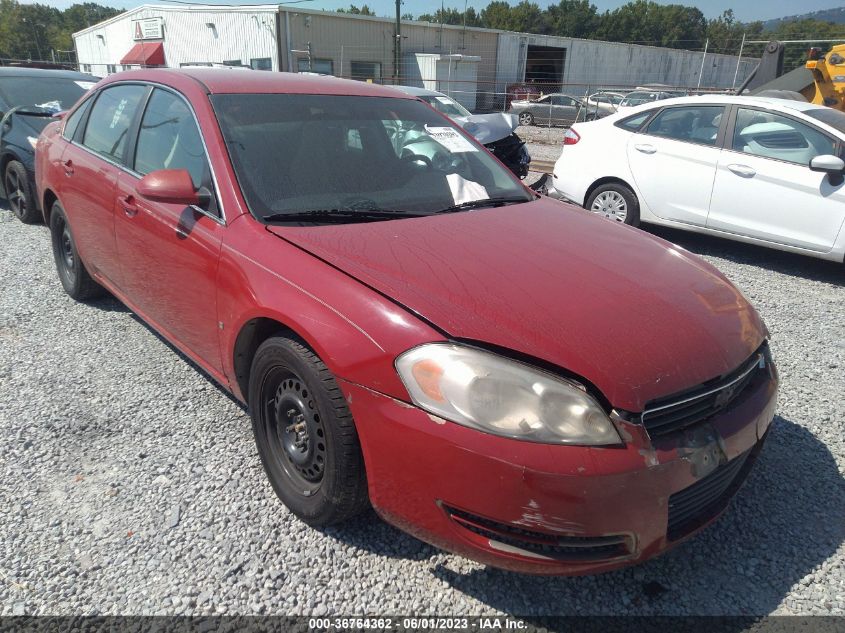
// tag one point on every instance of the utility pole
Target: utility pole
(703, 57)
(397, 47)
(738, 62)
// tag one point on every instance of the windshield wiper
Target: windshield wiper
(484, 203)
(339, 215)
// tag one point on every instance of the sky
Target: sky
(745, 10)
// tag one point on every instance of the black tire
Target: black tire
(526, 118)
(19, 193)
(305, 434)
(614, 192)
(72, 272)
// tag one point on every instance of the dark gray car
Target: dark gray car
(553, 109)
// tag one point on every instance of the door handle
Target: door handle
(68, 165)
(129, 206)
(742, 170)
(645, 148)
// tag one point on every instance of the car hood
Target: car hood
(489, 128)
(634, 315)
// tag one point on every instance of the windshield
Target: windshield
(295, 154)
(51, 94)
(834, 118)
(445, 105)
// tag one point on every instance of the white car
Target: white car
(759, 170)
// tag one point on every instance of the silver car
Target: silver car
(553, 109)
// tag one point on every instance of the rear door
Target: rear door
(564, 109)
(169, 252)
(764, 187)
(673, 161)
(91, 163)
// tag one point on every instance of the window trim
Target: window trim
(133, 151)
(221, 219)
(838, 144)
(721, 134)
(82, 128)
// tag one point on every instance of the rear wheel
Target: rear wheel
(19, 193)
(526, 118)
(616, 202)
(305, 434)
(72, 273)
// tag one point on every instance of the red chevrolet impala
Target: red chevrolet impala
(501, 375)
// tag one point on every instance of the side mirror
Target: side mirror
(832, 165)
(173, 186)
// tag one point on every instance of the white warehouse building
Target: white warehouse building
(476, 66)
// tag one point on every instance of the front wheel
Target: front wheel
(616, 202)
(305, 434)
(526, 118)
(19, 193)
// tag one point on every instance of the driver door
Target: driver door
(764, 187)
(169, 252)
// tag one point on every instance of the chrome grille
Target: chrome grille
(675, 413)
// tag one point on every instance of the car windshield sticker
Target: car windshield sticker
(85, 85)
(450, 139)
(464, 190)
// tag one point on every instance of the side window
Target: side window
(772, 135)
(560, 100)
(634, 123)
(73, 120)
(694, 124)
(110, 120)
(169, 139)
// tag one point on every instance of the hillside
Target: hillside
(837, 16)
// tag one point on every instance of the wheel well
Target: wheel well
(5, 160)
(603, 181)
(47, 207)
(251, 336)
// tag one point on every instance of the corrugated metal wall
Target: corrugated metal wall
(237, 34)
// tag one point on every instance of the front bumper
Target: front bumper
(548, 509)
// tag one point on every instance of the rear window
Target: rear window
(833, 118)
(52, 94)
(634, 123)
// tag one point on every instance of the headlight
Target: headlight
(503, 397)
(33, 140)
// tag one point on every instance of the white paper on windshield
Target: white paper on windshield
(50, 106)
(445, 100)
(464, 190)
(450, 139)
(85, 85)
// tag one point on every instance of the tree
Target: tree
(573, 18)
(33, 31)
(452, 16)
(354, 10)
(647, 22)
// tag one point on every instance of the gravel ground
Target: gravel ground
(130, 484)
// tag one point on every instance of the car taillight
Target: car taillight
(571, 137)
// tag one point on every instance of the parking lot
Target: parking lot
(131, 484)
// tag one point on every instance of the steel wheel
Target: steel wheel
(15, 193)
(611, 205)
(66, 255)
(296, 435)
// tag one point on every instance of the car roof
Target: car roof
(419, 92)
(222, 81)
(770, 102)
(43, 73)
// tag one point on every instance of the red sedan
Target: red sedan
(501, 375)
